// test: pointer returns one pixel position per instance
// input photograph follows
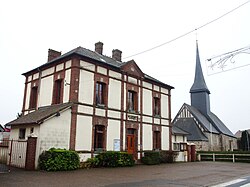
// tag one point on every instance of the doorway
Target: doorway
(131, 141)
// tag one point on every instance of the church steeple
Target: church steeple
(199, 91)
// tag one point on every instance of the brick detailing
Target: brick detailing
(99, 47)
(73, 97)
(31, 153)
(117, 55)
(131, 68)
(73, 127)
(74, 80)
(52, 54)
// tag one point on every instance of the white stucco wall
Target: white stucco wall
(83, 133)
(48, 71)
(115, 74)
(101, 70)
(66, 87)
(147, 137)
(147, 102)
(86, 87)
(165, 138)
(114, 94)
(164, 106)
(113, 132)
(55, 131)
(147, 85)
(27, 99)
(45, 96)
(132, 80)
(14, 133)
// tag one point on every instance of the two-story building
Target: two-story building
(88, 102)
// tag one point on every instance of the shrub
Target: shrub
(168, 156)
(90, 163)
(115, 159)
(151, 158)
(59, 160)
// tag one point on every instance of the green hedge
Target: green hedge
(115, 159)
(168, 156)
(151, 157)
(157, 157)
(110, 159)
(59, 160)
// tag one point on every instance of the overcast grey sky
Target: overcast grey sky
(29, 28)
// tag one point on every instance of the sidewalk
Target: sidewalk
(177, 174)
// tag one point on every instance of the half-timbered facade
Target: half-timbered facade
(88, 102)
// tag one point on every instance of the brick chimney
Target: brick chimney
(99, 47)
(117, 55)
(52, 54)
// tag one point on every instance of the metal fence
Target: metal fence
(12, 153)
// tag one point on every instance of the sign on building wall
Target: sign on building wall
(116, 144)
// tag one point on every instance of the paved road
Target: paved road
(176, 175)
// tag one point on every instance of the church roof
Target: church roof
(189, 125)
(203, 120)
(38, 116)
(177, 131)
(210, 122)
(199, 84)
(219, 124)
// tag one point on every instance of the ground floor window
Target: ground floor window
(99, 138)
(156, 140)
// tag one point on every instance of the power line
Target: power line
(189, 32)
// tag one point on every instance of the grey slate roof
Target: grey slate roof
(202, 119)
(177, 131)
(219, 124)
(210, 122)
(97, 57)
(40, 115)
(189, 125)
(199, 84)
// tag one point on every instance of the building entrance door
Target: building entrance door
(131, 141)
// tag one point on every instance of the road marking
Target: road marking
(230, 183)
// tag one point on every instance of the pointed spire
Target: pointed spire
(199, 84)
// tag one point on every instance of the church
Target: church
(205, 129)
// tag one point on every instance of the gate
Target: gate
(12, 153)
